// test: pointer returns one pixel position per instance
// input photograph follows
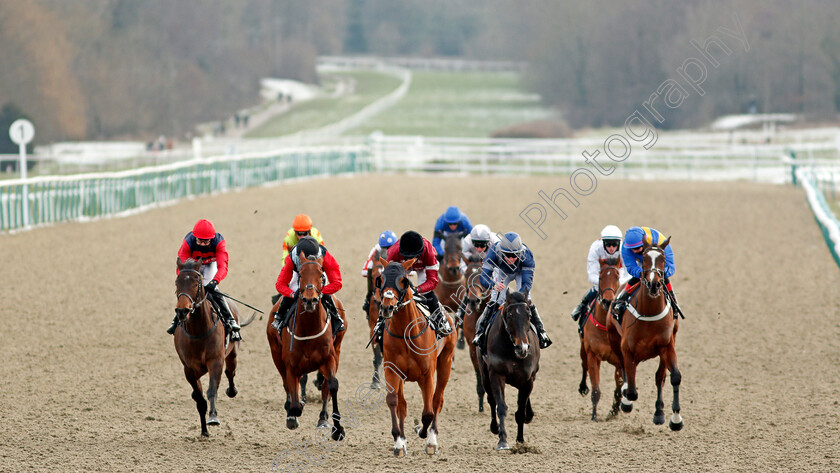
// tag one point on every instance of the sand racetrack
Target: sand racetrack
(92, 381)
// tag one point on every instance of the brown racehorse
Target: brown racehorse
(648, 330)
(477, 298)
(307, 344)
(449, 291)
(513, 357)
(373, 314)
(411, 353)
(200, 340)
(595, 344)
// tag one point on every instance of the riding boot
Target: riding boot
(171, 329)
(226, 316)
(438, 318)
(281, 317)
(462, 310)
(581, 322)
(481, 325)
(545, 342)
(329, 304)
(619, 304)
(581, 308)
(366, 305)
(674, 304)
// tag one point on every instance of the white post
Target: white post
(21, 132)
(22, 148)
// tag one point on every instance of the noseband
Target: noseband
(504, 320)
(311, 286)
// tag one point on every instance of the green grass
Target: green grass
(458, 104)
(319, 112)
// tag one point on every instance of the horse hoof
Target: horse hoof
(494, 428)
(481, 408)
(213, 421)
(205, 433)
(659, 418)
(231, 392)
(296, 411)
(292, 423)
(461, 344)
(375, 384)
(676, 422)
(626, 406)
(594, 418)
(583, 390)
(399, 452)
(431, 449)
(502, 445)
(338, 434)
(322, 423)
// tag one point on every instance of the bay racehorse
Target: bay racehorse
(648, 329)
(595, 344)
(411, 352)
(200, 340)
(373, 313)
(513, 357)
(476, 300)
(449, 290)
(307, 344)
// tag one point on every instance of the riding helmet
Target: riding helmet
(411, 244)
(634, 237)
(387, 239)
(204, 230)
(452, 215)
(511, 243)
(302, 223)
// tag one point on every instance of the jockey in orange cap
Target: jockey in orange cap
(204, 243)
(301, 227)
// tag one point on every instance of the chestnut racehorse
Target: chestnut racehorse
(477, 298)
(513, 357)
(649, 330)
(595, 344)
(411, 353)
(307, 344)
(200, 340)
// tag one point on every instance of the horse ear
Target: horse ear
(665, 243)
(179, 263)
(408, 264)
(383, 261)
(526, 293)
(507, 293)
(602, 261)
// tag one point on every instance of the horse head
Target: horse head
(392, 287)
(452, 254)
(189, 287)
(608, 280)
(311, 274)
(653, 267)
(516, 318)
(475, 291)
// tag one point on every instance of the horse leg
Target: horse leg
(497, 384)
(442, 379)
(594, 365)
(303, 380)
(377, 362)
(198, 397)
(325, 398)
(658, 413)
(491, 400)
(671, 355)
(427, 389)
(213, 389)
(230, 372)
(393, 399)
(616, 395)
(295, 408)
(529, 413)
(630, 392)
(331, 384)
(479, 389)
(522, 410)
(583, 389)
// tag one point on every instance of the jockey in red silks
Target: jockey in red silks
(204, 243)
(289, 289)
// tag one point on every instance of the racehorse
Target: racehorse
(307, 344)
(200, 346)
(412, 353)
(373, 313)
(595, 344)
(648, 330)
(513, 357)
(476, 301)
(451, 279)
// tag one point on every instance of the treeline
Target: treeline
(103, 69)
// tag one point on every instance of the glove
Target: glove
(211, 286)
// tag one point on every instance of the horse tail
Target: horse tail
(247, 322)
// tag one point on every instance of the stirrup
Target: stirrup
(172, 328)
(235, 337)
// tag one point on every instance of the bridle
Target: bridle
(509, 307)
(312, 287)
(653, 287)
(195, 304)
(601, 292)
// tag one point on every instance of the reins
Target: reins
(194, 305)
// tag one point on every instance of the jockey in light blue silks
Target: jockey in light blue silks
(506, 261)
(631, 255)
(452, 221)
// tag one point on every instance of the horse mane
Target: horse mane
(452, 242)
(310, 247)
(192, 264)
(475, 259)
(611, 260)
(516, 297)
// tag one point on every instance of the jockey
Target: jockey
(289, 288)
(452, 221)
(475, 245)
(631, 254)
(602, 248)
(506, 261)
(413, 246)
(386, 240)
(203, 242)
(301, 227)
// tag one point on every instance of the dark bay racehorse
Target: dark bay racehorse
(513, 357)
(307, 344)
(200, 340)
(649, 330)
(595, 344)
(411, 353)
(449, 290)
(477, 298)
